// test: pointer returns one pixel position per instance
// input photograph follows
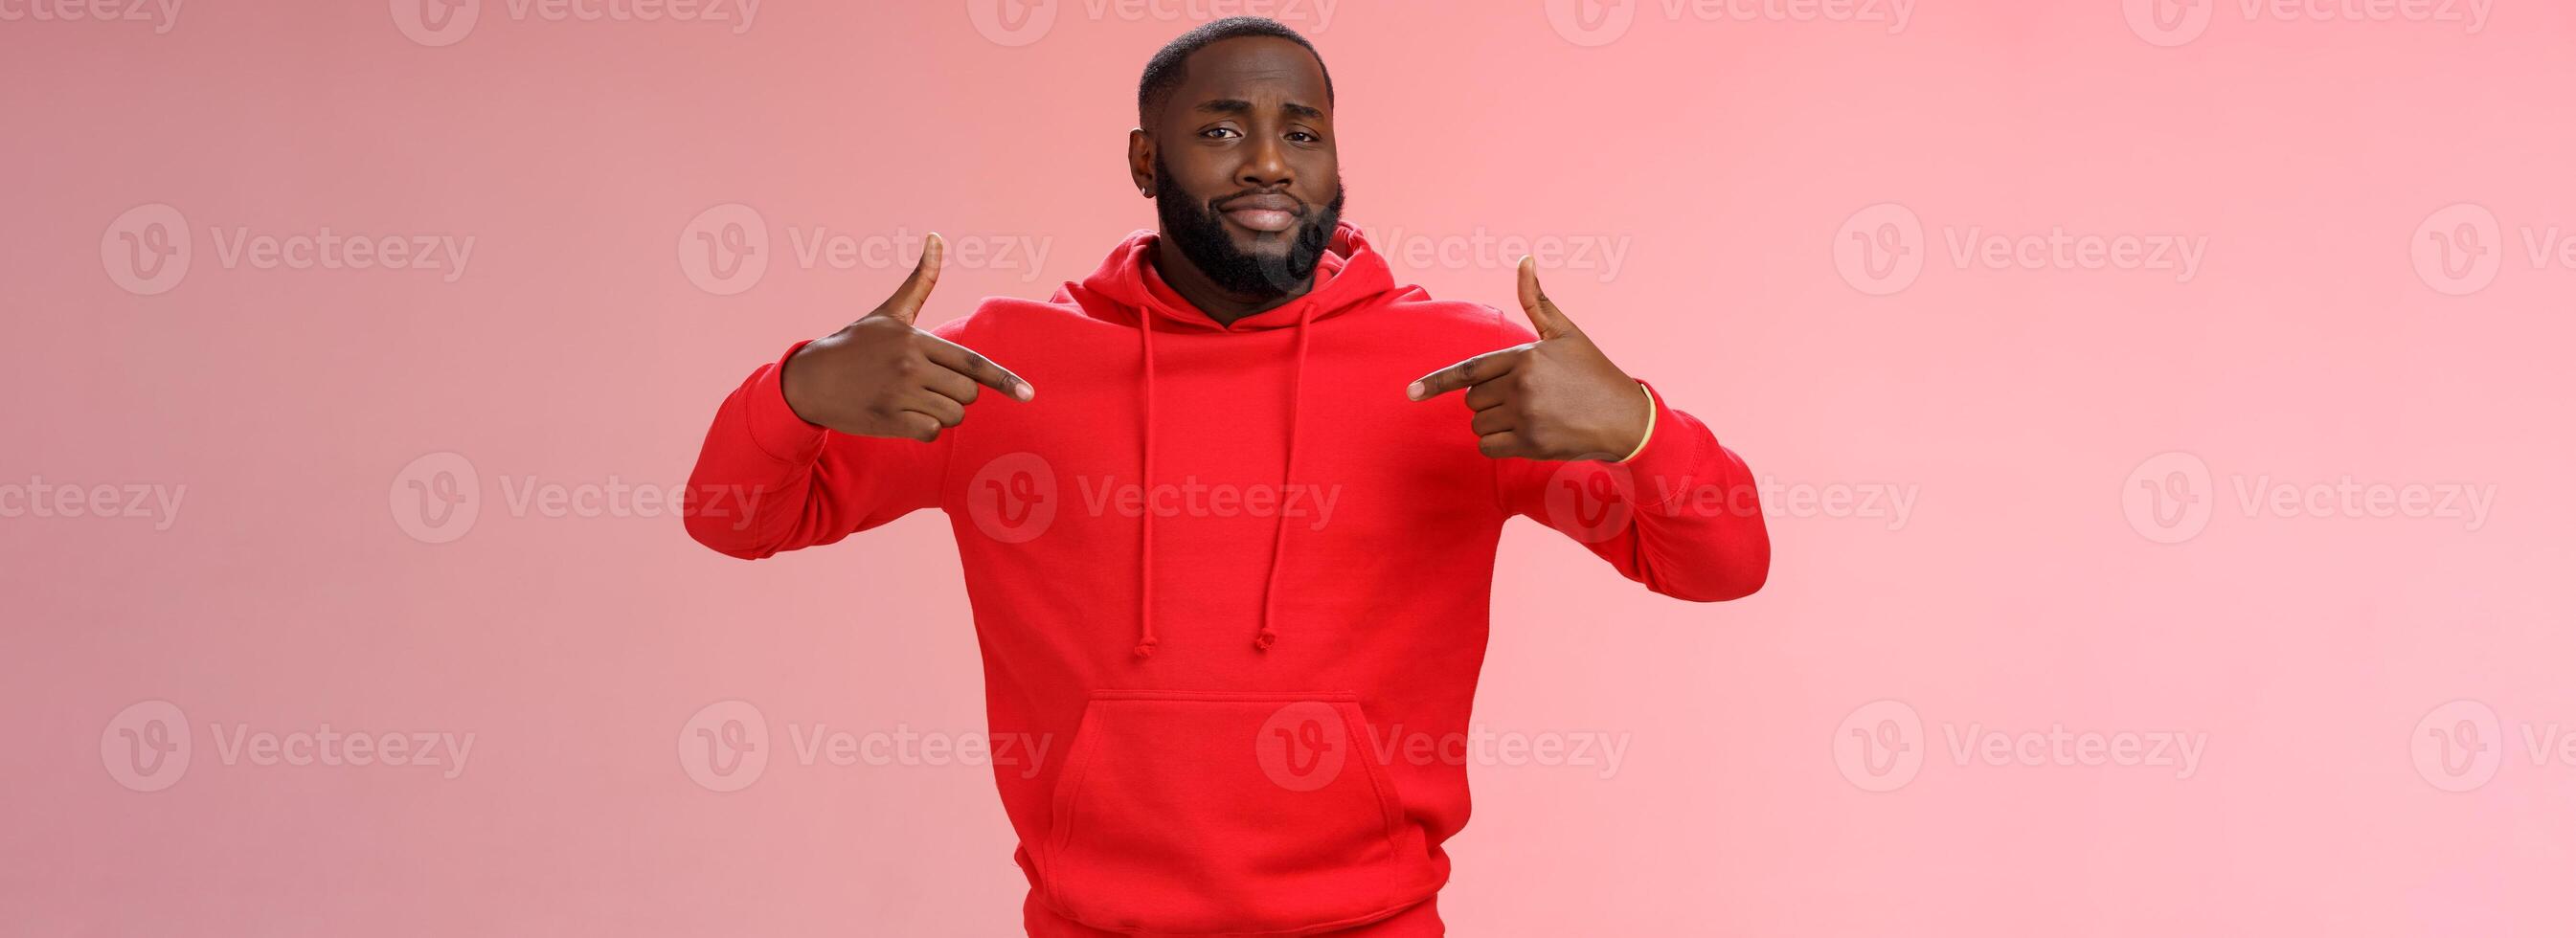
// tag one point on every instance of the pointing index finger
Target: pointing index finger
(1475, 370)
(982, 370)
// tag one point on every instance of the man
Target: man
(1225, 519)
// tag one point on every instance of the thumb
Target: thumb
(906, 303)
(1543, 314)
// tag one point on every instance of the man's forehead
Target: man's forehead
(1249, 66)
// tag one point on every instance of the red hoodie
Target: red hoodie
(1241, 573)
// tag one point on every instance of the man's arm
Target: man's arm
(1585, 449)
(1683, 516)
(768, 481)
(842, 434)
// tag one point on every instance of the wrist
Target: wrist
(789, 384)
(775, 426)
(1646, 435)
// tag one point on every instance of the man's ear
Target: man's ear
(1140, 161)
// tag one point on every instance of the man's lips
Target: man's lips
(1263, 212)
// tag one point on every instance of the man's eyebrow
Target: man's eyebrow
(1240, 106)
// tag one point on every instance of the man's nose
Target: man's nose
(1265, 166)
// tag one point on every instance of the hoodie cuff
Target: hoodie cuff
(774, 426)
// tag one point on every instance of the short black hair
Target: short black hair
(1164, 71)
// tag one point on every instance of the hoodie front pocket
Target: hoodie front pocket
(1203, 812)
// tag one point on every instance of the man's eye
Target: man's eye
(1302, 136)
(1213, 131)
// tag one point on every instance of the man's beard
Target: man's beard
(1200, 232)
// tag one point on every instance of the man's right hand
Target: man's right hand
(879, 376)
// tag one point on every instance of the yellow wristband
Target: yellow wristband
(1650, 423)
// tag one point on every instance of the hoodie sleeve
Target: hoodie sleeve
(1682, 515)
(767, 481)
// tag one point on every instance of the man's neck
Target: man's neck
(1219, 304)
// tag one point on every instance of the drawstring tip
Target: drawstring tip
(1145, 649)
(1262, 641)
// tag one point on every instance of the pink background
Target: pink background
(2314, 656)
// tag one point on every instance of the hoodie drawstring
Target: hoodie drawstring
(1287, 483)
(1262, 639)
(1145, 640)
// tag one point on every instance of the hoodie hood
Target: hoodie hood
(1350, 276)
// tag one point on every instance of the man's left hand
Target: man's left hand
(1557, 398)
